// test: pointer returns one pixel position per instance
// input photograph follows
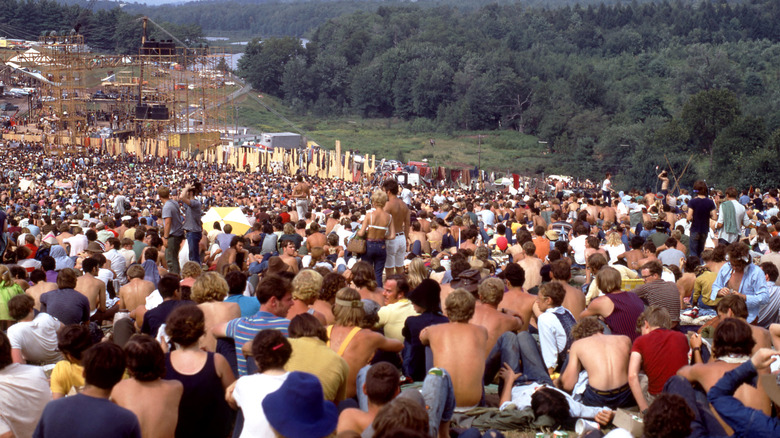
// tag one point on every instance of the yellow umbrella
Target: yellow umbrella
(226, 215)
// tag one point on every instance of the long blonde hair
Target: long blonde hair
(417, 272)
(614, 239)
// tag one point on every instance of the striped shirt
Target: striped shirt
(663, 294)
(244, 329)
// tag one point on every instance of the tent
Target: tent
(226, 215)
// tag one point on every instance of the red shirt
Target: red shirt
(663, 353)
(285, 217)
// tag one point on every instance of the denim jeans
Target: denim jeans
(532, 363)
(172, 254)
(704, 423)
(697, 242)
(376, 254)
(439, 395)
(506, 350)
(193, 243)
(361, 380)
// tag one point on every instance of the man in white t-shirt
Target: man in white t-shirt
(24, 392)
(33, 339)
(78, 242)
(606, 188)
(578, 244)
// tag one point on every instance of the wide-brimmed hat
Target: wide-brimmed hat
(94, 247)
(298, 408)
(468, 280)
(426, 295)
(551, 235)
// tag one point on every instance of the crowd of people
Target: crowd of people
(382, 310)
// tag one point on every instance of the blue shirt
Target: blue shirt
(249, 305)
(753, 286)
(244, 329)
(86, 417)
(745, 421)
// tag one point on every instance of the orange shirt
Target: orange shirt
(542, 247)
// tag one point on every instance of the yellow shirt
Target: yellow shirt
(67, 376)
(393, 316)
(702, 287)
(313, 356)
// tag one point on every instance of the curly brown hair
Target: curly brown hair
(186, 324)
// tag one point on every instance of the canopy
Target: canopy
(226, 215)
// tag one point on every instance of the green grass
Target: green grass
(392, 138)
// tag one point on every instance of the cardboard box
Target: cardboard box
(630, 421)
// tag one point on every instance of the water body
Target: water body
(232, 59)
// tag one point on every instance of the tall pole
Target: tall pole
(479, 156)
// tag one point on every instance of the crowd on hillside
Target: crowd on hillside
(325, 307)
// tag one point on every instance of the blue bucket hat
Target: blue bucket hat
(298, 409)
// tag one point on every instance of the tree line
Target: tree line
(109, 30)
(618, 88)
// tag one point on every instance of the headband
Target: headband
(348, 303)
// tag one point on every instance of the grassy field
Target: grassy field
(395, 139)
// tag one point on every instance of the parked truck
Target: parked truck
(287, 140)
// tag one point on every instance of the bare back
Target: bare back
(216, 313)
(496, 323)
(93, 289)
(156, 404)
(708, 374)
(520, 302)
(359, 352)
(459, 349)
(134, 294)
(400, 212)
(604, 357)
(39, 289)
(574, 300)
(533, 268)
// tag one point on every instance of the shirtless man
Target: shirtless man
(153, 400)
(487, 315)
(417, 235)
(515, 298)
(288, 255)
(64, 234)
(634, 256)
(91, 287)
(40, 286)
(663, 176)
(316, 238)
(648, 253)
(134, 293)
(732, 344)
(459, 348)
(732, 306)
(235, 254)
(356, 345)
(575, 299)
(301, 195)
(532, 266)
(608, 213)
(396, 248)
(605, 358)
(381, 387)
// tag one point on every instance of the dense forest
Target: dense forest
(609, 88)
(295, 17)
(105, 30)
